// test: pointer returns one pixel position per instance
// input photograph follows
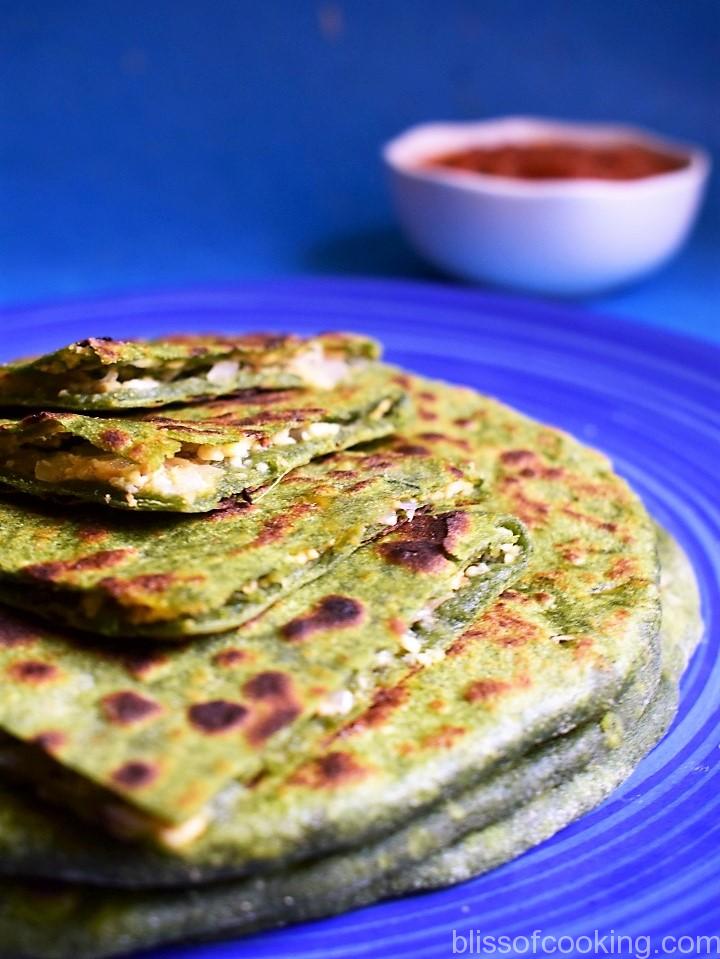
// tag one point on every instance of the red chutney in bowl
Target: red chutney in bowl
(562, 160)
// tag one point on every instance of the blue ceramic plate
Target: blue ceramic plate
(646, 864)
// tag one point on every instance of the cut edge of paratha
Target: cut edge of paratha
(102, 373)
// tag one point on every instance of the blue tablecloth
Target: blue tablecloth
(181, 143)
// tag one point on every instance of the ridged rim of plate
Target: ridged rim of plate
(646, 862)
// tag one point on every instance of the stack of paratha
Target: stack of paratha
(287, 631)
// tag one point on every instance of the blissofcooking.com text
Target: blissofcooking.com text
(474, 942)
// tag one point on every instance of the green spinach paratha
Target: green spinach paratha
(191, 458)
(92, 924)
(168, 575)
(101, 373)
(194, 717)
(552, 653)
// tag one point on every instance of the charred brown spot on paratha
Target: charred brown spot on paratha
(531, 511)
(114, 439)
(514, 457)
(147, 583)
(332, 612)
(278, 718)
(230, 657)
(528, 464)
(275, 705)
(480, 690)
(277, 527)
(595, 521)
(14, 633)
(499, 625)
(443, 738)
(412, 449)
(271, 416)
(34, 672)
(49, 572)
(135, 774)
(329, 771)
(383, 705)
(544, 598)
(622, 568)
(50, 741)
(228, 509)
(142, 665)
(255, 396)
(503, 627)
(126, 708)
(573, 553)
(271, 684)
(34, 419)
(360, 485)
(582, 647)
(217, 716)
(92, 533)
(458, 441)
(425, 414)
(425, 543)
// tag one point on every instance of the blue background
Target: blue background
(181, 142)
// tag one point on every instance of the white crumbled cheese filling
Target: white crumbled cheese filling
(453, 489)
(384, 658)
(175, 837)
(409, 507)
(187, 476)
(477, 569)
(176, 477)
(111, 383)
(428, 657)
(410, 642)
(141, 384)
(283, 438)
(511, 551)
(223, 373)
(426, 616)
(416, 655)
(235, 453)
(303, 557)
(290, 437)
(320, 429)
(381, 409)
(338, 703)
(314, 367)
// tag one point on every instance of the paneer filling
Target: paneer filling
(195, 470)
(313, 366)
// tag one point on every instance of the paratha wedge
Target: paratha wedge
(192, 718)
(191, 458)
(102, 373)
(93, 924)
(168, 576)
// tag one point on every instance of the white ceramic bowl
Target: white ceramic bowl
(567, 237)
